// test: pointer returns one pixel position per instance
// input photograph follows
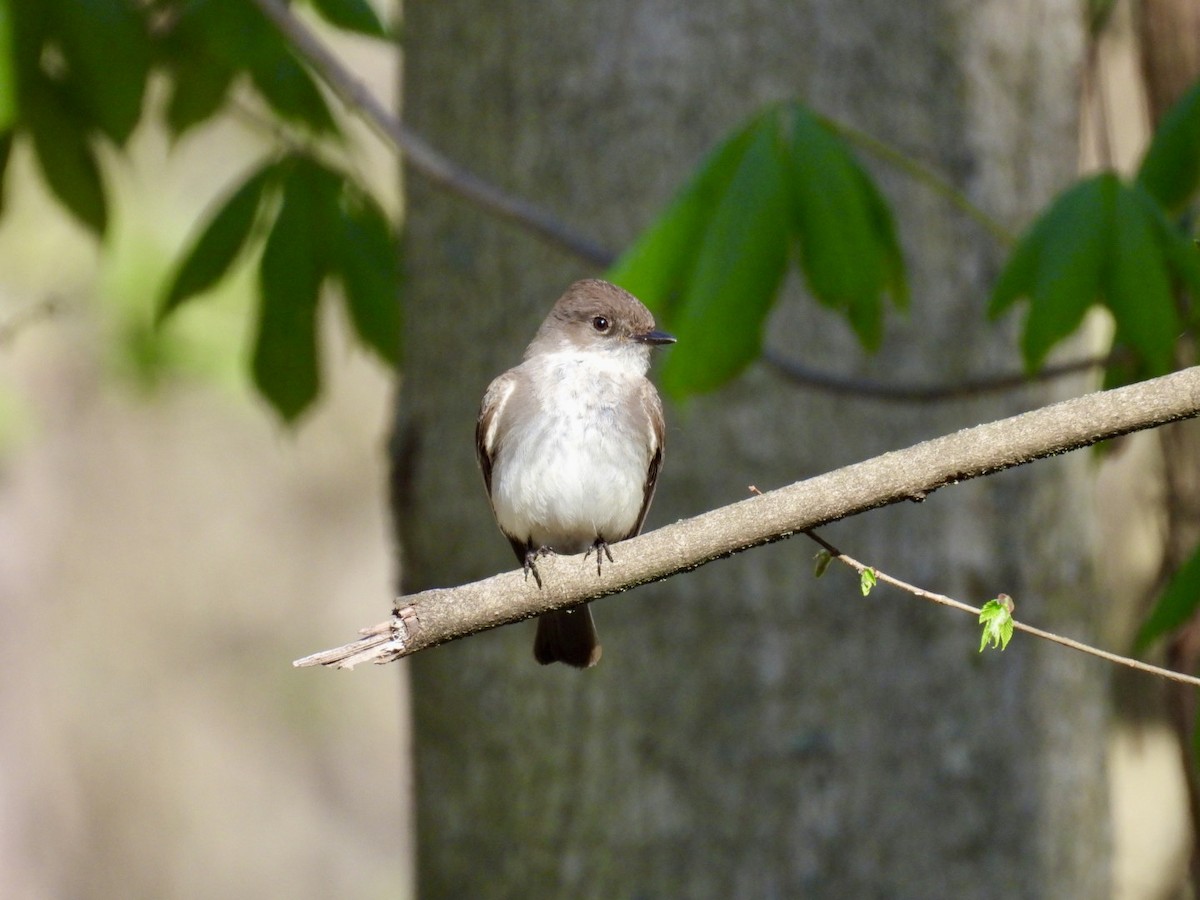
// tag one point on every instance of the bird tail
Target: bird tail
(567, 636)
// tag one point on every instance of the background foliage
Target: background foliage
(786, 188)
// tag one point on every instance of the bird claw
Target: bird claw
(531, 557)
(600, 548)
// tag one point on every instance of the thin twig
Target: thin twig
(421, 156)
(870, 389)
(1169, 674)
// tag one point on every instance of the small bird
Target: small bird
(570, 443)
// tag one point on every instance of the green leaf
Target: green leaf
(1139, 289)
(107, 53)
(1175, 605)
(655, 268)
(291, 92)
(866, 581)
(1102, 241)
(220, 241)
(233, 32)
(741, 260)
(290, 274)
(1179, 250)
(1071, 266)
(351, 15)
(199, 87)
(1059, 264)
(1170, 170)
(65, 156)
(848, 249)
(711, 265)
(365, 259)
(997, 620)
(1018, 278)
(8, 68)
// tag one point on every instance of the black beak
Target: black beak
(654, 338)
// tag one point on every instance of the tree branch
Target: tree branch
(436, 616)
(888, 391)
(421, 156)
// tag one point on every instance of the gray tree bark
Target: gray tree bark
(751, 732)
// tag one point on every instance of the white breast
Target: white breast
(575, 468)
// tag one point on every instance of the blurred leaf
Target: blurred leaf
(292, 93)
(1139, 289)
(233, 32)
(220, 241)
(65, 156)
(365, 259)
(655, 268)
(1170, 170)
(293, 266)
(739, 263)
(1176, 604)
(848, 247)
(1101, 241)
(712, 263)
(107, 52)
(351, 15)
(8, 68)
(199, 87)
(1058, 264)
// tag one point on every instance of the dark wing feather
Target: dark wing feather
(652, 410)
(494, 400)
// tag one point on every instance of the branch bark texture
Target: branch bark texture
(436, 616)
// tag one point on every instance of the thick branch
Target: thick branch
(437, 616)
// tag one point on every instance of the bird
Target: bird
(570, 444)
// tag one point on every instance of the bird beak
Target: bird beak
(654, 338)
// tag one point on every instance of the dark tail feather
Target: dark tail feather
(567, 636)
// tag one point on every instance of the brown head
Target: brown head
(595, 315)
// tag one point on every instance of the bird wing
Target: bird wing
(494, 400)
(652, 409)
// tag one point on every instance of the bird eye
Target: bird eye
(600, 324)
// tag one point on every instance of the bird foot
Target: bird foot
(600, 548)
(531, 558)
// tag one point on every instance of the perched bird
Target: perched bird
(570, 443)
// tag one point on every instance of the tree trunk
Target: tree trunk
(751, 731)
